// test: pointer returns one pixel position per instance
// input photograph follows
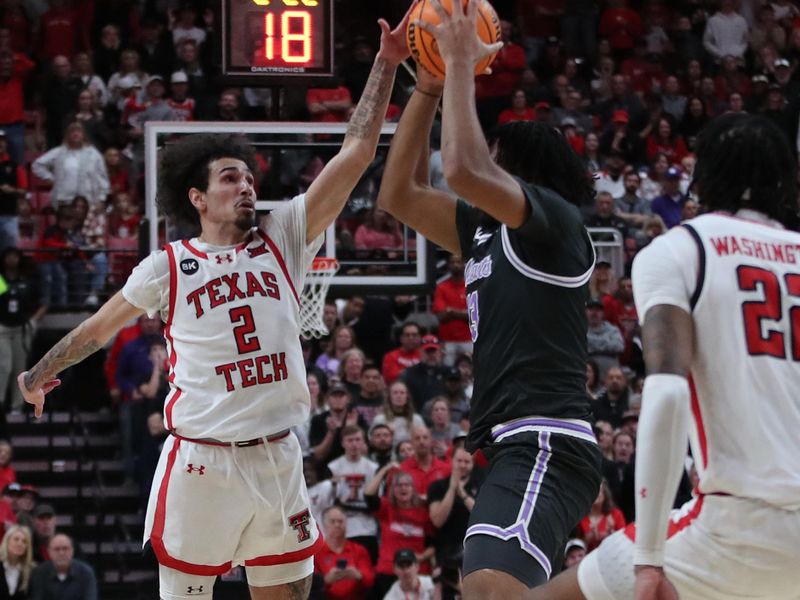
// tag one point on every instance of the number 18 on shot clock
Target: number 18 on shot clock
(288, 39)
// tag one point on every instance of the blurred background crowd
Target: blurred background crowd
(630, 83)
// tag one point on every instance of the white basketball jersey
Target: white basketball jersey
(237, 369)
(745, 300)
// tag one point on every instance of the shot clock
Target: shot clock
(277, 38)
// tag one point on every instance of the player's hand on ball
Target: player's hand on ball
(652, 584)
(36, 396)
(393, 48)
(456, 35)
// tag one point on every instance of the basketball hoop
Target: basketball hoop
(312, 301)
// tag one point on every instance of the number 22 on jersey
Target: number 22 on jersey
(762, 338)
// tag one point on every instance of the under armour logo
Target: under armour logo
(191, 589)
(643, 492)
(257, 251)
(201, 470)
(299, 523)
(223, 257)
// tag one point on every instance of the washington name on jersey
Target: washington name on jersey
(741, 282)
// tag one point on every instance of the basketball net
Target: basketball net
(312, 300)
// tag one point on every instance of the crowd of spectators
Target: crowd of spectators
(630, 83)
(38, 560)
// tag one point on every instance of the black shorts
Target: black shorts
(539, 486)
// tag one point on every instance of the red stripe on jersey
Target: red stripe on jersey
(157, 535)
(194, 250)
(675, 526)
(173, 357)
(287, 557)
(281, 263)
(170, 405)
(698, 419)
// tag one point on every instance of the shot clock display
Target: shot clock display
(285, 38)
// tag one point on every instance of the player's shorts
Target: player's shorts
(543, 476)
(720, 547)
(214, 507)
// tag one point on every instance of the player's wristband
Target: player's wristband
(430, 94)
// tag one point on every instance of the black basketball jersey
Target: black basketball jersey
(526, 296)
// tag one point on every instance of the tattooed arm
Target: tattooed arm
(79, 343)
(328, 193)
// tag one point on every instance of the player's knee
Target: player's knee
(489, 584)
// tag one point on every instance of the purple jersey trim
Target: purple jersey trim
(555, 423)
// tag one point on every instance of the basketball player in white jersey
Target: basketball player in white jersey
(229, 487)
(720, 298)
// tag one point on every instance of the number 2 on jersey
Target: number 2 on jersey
(770, 342)
(244, 334)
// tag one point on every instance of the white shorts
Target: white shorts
(719, 547)
(215, 507)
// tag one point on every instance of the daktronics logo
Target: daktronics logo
(277, 69)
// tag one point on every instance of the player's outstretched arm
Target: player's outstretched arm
(667, 339)
(467, 162)
(328, 193)
(84, 340)
(405, 191)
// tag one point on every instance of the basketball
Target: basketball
(423, 45)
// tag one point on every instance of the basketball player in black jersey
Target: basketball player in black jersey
(528, 262)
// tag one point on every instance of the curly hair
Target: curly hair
(184, 165)
(539, 154)
(745, 161)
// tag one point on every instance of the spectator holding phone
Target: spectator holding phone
(344, 564)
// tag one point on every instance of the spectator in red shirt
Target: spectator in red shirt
(118, 171)
(539, 20)
(493, 91)
(179, 102)
(404, 523)
(732, 78)
(569, 128)
(603, 520)
(58, 29)
(424, 467)
(636, 68)
(450, 307)
(344, 564)
(519, 111)
(123, 220)
(13, 186)
(8, 507)
(128, 334)
(14, 68)
(622, 27)
(17, 26)
(53, 262)
(621, 311)
(7, 472)
(665, 141)
(406, 355)
(329, 104)
(379, 231)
